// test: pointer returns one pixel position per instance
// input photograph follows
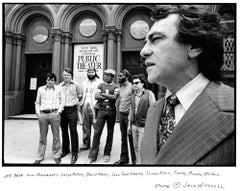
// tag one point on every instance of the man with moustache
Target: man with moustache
(124, 107)
(69, 116)
(87, 106)
(194, 123)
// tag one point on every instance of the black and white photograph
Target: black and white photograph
(119, 93)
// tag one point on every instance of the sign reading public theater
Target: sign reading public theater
(85, 56)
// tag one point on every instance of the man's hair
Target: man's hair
(51, 76)
(199, 27)
(142, 78)
(68, 70)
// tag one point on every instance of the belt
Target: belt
(49, 110)
(69, 107)
(106, 108)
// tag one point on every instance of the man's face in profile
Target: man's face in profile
(165, 58)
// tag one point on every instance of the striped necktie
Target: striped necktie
(167, 120)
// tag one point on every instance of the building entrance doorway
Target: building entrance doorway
(37, 65)
(134, 63)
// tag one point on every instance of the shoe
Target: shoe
(74, 158)
(64, 154)
(106, 158)
(121, 162)
(58, 160)
(90, 161)
(84, 148)
(37, 161)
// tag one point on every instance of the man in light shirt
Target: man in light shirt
(49, 105)
(87, 106)
(69, 116)
(194, 123)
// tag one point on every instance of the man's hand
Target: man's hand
(129, 129)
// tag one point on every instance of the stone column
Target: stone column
(119, 51)
(68, 39)
(8, 59)
(19, 38)
(19, 42)
(111, 54)
(104, 34)
(56, 61)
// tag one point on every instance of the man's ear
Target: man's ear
(194, 51)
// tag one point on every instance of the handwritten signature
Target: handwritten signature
(178, 185)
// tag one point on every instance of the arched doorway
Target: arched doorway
(38, 56)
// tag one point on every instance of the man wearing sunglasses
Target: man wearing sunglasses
(141, 100)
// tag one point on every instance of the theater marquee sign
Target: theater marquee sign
(85, 56)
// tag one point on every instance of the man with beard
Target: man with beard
(87, 106)
(124, 107)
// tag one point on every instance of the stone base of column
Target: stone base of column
(13, 103)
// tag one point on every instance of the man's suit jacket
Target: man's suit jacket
(204, 136)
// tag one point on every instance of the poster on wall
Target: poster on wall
(85, 56)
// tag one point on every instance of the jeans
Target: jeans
(87, 125)
(123, 120)
(44, 120)
(69, 118)
(137, 133)
(102, 117)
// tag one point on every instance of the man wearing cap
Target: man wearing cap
(106, 94)
(124, 107)
(87, 106)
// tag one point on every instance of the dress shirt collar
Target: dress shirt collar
(46, 87)
(139, 95)
(71, 82)
(187, 94)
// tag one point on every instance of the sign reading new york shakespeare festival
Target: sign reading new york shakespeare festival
(85, 56)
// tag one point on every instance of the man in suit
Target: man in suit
(194, 123)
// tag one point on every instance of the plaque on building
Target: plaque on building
(88, 27)
(40, 34)
(139, 29)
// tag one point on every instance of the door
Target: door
(37, 65)
(134, 63)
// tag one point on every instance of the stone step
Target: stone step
(24, 116)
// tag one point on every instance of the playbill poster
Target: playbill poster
(85, 56)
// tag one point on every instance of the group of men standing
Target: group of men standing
(95, 100)
(193, 124)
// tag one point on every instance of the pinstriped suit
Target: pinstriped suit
(204, 136)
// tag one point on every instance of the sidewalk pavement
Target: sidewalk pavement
(21, 138)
